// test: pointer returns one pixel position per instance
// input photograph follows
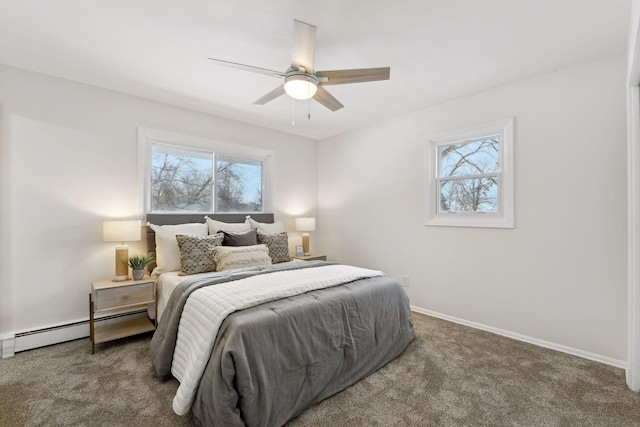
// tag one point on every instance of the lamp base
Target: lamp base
(305, 244)
(122, 263)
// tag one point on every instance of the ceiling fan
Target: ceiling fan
(301, 81)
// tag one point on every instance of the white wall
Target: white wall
(68, 161)
(560, 275)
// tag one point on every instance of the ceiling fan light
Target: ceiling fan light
(300, 87)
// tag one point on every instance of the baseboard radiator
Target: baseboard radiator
(28, 340)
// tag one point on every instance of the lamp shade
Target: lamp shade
(121, 231)
(305, 224)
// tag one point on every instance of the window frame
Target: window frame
(148, 136)
(504, 217)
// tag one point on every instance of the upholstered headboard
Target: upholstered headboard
(172, 219)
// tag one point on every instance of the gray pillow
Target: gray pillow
(244, 238)
(278, 244)
(197, 252)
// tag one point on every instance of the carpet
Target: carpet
(451, 375)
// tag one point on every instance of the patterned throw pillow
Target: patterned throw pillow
(229, 257)
(197, 252)
(278, 244)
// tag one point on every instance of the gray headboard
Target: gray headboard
(172, 219)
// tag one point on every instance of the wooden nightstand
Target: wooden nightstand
(109, 297)
(311, 257)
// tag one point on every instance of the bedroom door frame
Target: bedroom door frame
(633, 197)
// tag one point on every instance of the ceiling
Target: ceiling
(437, 50)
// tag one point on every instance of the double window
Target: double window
(470, 177)
(184, 174)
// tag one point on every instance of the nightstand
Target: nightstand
(311, 257)
(108, 297)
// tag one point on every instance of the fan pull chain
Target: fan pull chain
(293, 113)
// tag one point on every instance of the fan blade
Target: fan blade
(304, 46)
(340, 77)
(271, 95)
(250, 68)
(326, 99)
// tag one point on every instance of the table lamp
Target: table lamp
(305, 225)
(121, 231)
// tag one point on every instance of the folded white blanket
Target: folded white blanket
(206, 309)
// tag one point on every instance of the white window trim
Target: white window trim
(146, 136)
(504, 218)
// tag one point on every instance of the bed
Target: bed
(258, 345)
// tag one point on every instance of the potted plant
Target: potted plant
(137, 264)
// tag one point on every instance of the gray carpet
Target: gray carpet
(450, 376)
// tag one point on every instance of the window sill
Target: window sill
(474, 220)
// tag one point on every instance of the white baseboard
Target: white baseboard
(14, 343)
(553, 346)
(28, 340)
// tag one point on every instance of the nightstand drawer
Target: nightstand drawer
(123, 296)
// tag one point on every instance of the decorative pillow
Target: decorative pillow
(245, 238)
(230, 257)
(278, 244)
(276, 227)
(196, 252)
(217, 226)
(167, 252)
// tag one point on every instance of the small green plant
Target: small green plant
(138, 262)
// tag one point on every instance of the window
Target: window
(238, 184)
(189, 175)
(470, 177)
(181, 179)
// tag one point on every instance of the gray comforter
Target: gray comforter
(272, 361)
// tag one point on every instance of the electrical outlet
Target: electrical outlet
(405, 281)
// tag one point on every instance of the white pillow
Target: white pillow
(236, 227)
(276, 227)
(167, 251)
(230, 257)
